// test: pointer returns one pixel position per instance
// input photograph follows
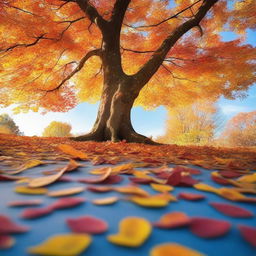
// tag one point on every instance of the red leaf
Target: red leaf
(187, 181)
(112, 179)
(248, 233)
(174, 178)
(220, 180)
(99, 189)
(7, 226)
(140, 180)
(67, 202)
(191, 196)
(87, 224)
(6, 241)
(230, 174)
(209, 228)
(232, 210)
(33, 213)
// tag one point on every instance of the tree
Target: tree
(57, 129)
(56, 53)
(8, 126)
(240, 130)
(192, 124)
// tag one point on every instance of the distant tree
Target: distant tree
(8, 126)
(57, 129)
(240, 130)
(192, 124)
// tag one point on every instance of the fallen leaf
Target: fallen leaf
(67, 202)
(232, 210)
(6, 241)
(173, 249)
(173, 220)
(150, 201)
(251, 178)
(209, 228)
(174, 178)
(134, 190)
(46, 180)
(133, 232)
(191, 196)
(33, 213)
(6, 177)
(161, 187)
(27, 165)
(248, 233)
(95, 180)
(77, 154)
(205, 187)
(105, 201)
(7, 226)
(22, 203)
(66, 191)
(87, 224)
(99, 189)
(32, 191)
(62, 245)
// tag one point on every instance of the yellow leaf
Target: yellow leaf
(248, 178)
(151, 201)
(72, 151)
(66, 192)
(62, 245)
(230, 194)
(173, 249)
(205, 187)
(33, 191)
(161, 187)
(131, 190)
(105, 201)
(27, 165)
(133, 232)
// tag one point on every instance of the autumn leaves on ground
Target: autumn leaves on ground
(145, 166)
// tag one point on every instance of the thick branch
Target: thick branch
(92, 13)
(119, 11)
(96, 52)
(149, 69)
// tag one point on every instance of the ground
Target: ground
(122, 174)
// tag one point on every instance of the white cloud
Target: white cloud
(230, 109)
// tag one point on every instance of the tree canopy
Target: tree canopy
(43, 43)
(57, 129)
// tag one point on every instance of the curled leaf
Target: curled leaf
(99, 179)
(133, 231)
(62, 245)
(87, 224)
(173, 220)
(134, 190)
(27, 165)
(173, 249)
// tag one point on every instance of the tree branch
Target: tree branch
(167, 19)
(149, 68)
(118, 13)
(96, 52)
(92, 13)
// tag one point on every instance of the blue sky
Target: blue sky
(149, 123)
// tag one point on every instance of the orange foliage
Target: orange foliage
(240, 130)
(42, 41)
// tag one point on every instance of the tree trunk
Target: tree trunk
(113, 121)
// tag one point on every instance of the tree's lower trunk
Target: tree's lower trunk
(113, 121)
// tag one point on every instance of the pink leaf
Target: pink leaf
(248, 233)
(7, 226)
